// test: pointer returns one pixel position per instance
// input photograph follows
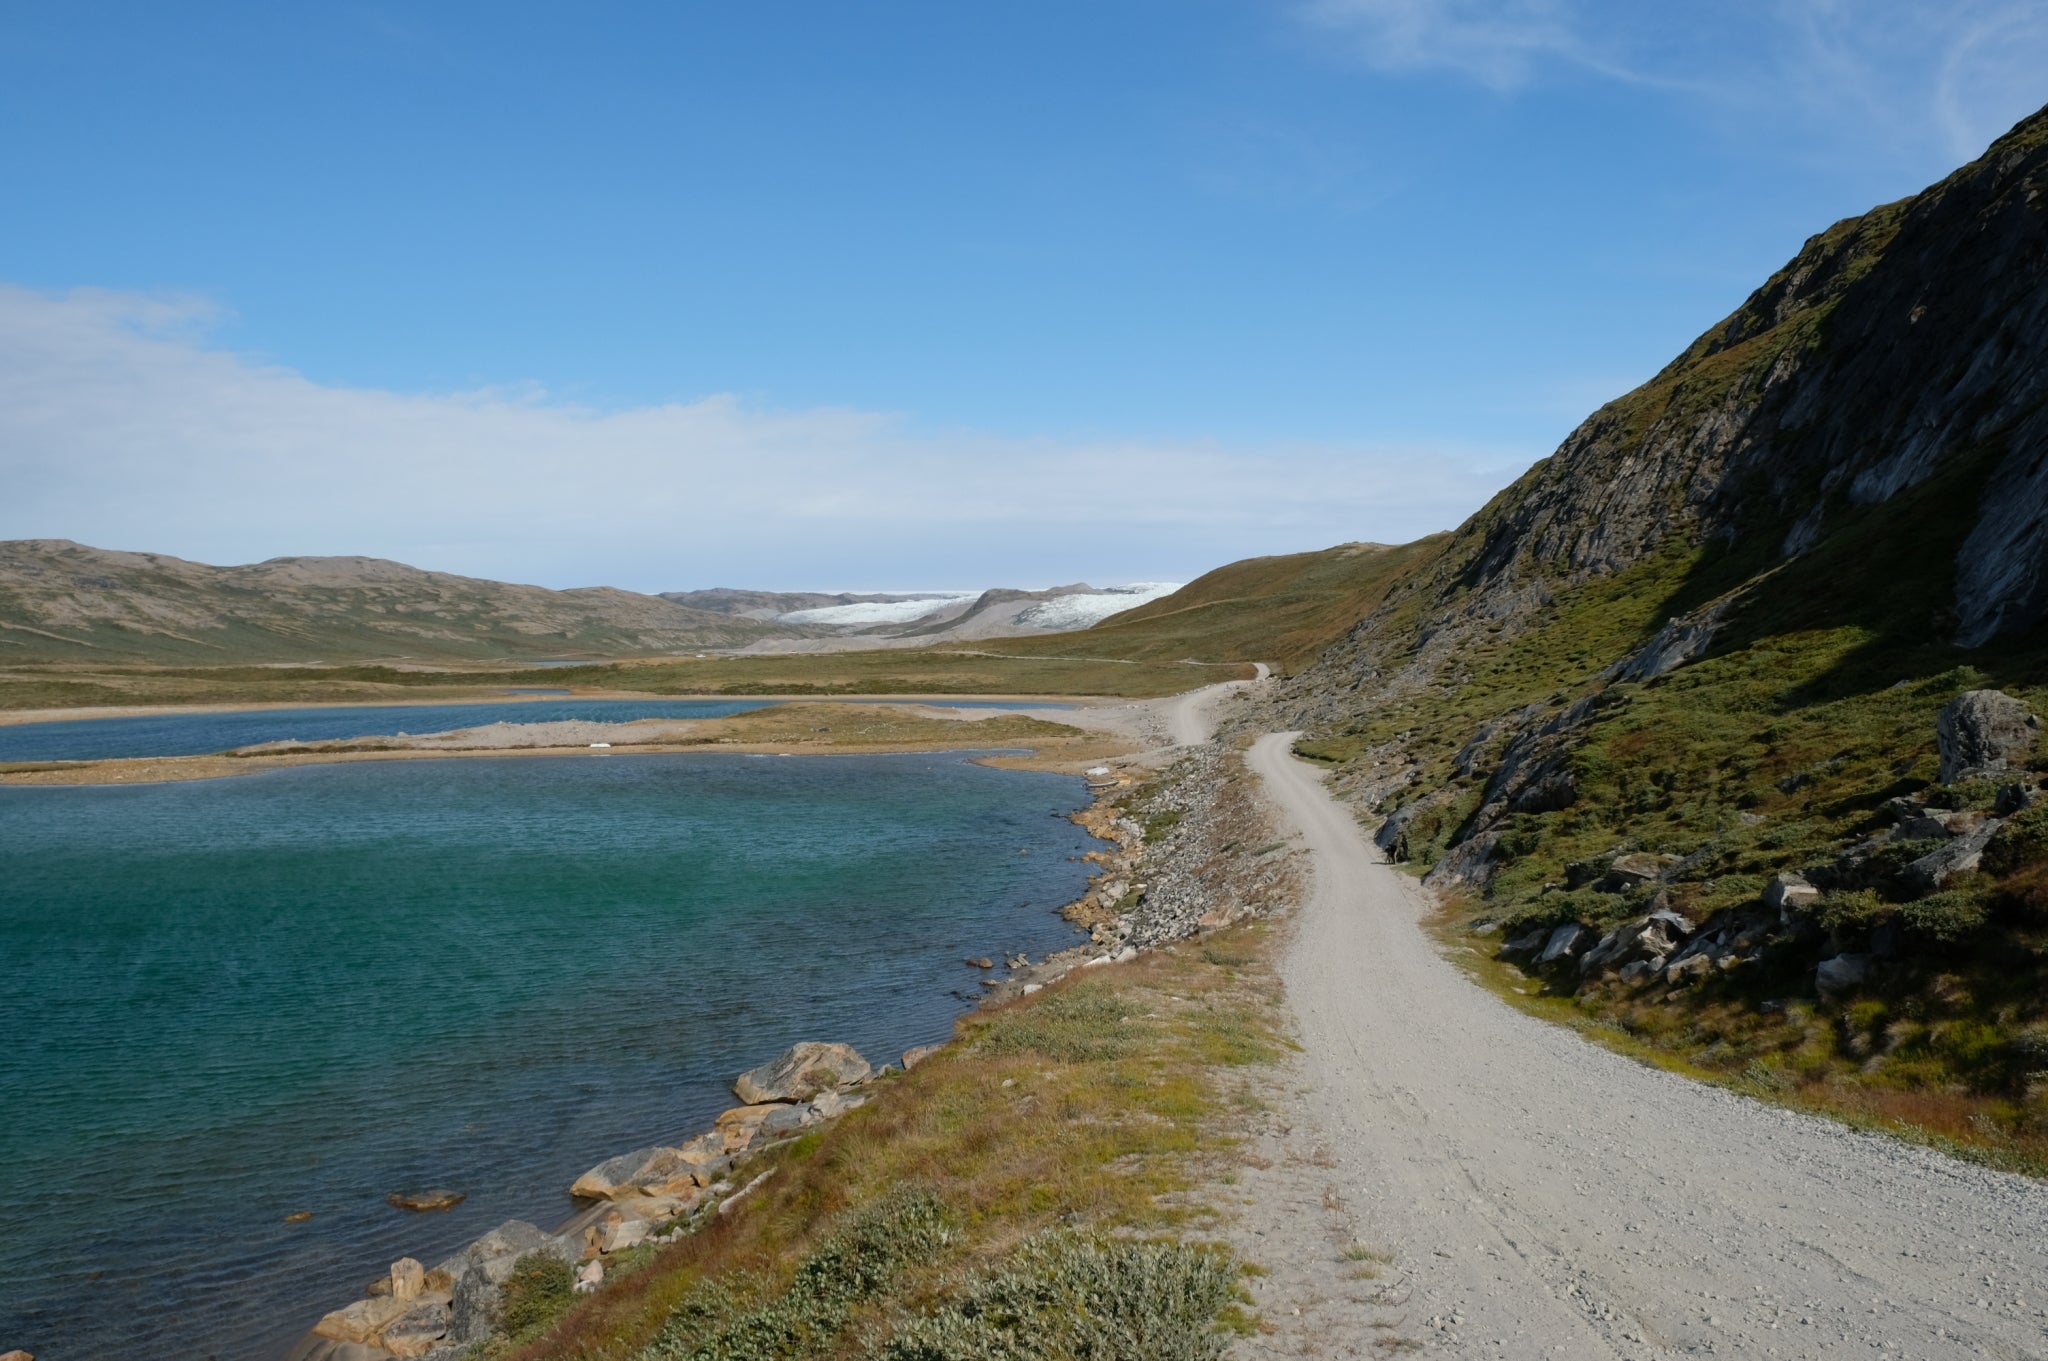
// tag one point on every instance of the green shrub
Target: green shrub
(539, 1290)
(1064, 1297)
(2022, 842)
(857, 1263)
(1943, 917)
(1853, 911)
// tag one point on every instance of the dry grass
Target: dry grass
(1094, 1105)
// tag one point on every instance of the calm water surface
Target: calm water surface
(202, 733)
(230, 1001)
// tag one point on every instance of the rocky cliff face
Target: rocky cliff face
(1898, 345)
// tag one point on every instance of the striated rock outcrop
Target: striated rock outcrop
(803, 1071)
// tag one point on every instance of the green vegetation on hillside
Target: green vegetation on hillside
(1283, 610)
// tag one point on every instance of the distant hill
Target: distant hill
(1285, 610)
(65, 602)
(62, 601)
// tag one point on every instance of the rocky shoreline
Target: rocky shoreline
(1150, 892)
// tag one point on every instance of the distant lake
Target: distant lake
(230, 1001)
(203, 733)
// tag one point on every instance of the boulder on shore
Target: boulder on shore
(802, 1072)
(419, 1329)
(745, 1125)
(913, 1057)
(482, 1268)
(650, 1171)
(1983, 732)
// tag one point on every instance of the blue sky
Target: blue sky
(941, 294)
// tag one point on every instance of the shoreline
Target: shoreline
(501, 695)
(651, 1197)
(1081, 745)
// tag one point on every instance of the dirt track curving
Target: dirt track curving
(1533, 1195)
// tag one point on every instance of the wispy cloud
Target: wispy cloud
(121, 426)
(1955, 74)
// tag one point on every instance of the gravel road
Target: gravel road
(1535, 1195)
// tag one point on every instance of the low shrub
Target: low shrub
(858, 1262)
(1067, 1297)
(540, 1290)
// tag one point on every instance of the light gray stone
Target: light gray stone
(1983, 732)
(802, 1071)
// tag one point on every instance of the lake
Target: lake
(231, 1001)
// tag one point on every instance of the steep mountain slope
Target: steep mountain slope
(1706, 644)
(61, 601)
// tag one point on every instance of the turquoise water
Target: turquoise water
(230, 1001)
(200, 733)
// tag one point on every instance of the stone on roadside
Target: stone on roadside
(1788, 894)
(1983, 732)
(1689, 970)
(1566, 942)
(419, 1330)
(1526, 946)
(802, 1072)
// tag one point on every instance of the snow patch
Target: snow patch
(877, 611)
(1081, 611)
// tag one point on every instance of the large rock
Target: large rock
(1648, 940)
(743, 1126)
(1983, 732)
(1788, 894)
(419, 1329)
(913, 1057)
(650, 1171)
(363, 1320)
(1525, 947)
(1566, 942)
(1934, 869)
(1634, 870)
(802, 1072)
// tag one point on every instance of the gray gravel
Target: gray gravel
(1540, 1196)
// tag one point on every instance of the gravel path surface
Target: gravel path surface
(1505, 1189)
